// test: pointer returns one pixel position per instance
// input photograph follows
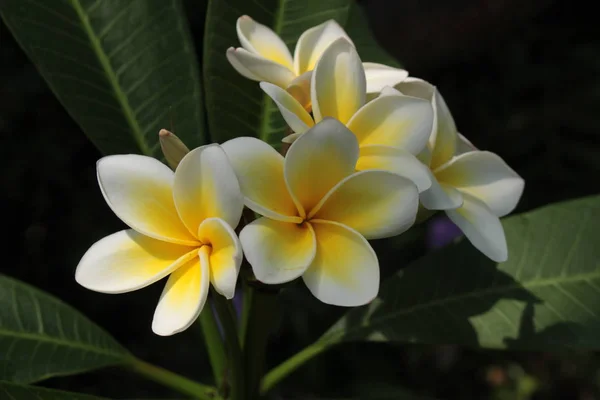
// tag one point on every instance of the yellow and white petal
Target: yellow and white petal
(395, 121)
(391, 91)
(481, 227)
(338, 87)
(259, 168)
(184, 296)
(444, 140)
(289, 139)
(260, 39)
(258, 68)
(395, 160)
(377, 204)
(278, 251)
(440, 196)
(379, 76)
(139, 190)
(313, 42)
(416, 87)
(206, 186)
(225, 254)
(292, 111)
(318, 160)
(345, 271)
(299, 88)
(464, 145)
(127, 261)
(486, 176)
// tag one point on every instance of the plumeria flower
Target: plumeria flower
(265, 57)
(474, 187)
(181, 225)
(390, 129)
(318, 212)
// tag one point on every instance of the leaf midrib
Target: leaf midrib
(336, 335)
(112, 78)
(61, 342)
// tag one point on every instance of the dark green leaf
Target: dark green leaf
(122, 69)
(236, 106)
(546, 296)
(40, 337)
(10, 391)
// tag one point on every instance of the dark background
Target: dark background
(522, 78)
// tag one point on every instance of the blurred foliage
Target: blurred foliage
(522, 79)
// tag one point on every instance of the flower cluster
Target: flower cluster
(370, 148)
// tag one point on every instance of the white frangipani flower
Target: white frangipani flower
(265, 57)
(181, 225)
(474, 187)
(318, 212)
(390, 130)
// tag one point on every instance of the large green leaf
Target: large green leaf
(40, 337)
(10, 391)
(236, 106)
(122, 69)
(546, 296)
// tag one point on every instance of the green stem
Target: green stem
(247, 293)
(232, 344)
(214, 345)
(173, 380)
(274, 376)
(263, 308)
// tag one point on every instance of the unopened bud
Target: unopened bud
(172, 147)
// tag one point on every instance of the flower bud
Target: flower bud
(172, 147)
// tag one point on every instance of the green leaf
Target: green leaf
(40, 337)
(546, 296)
(11, 391)
(236, 106)
(122, 69)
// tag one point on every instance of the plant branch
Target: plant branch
(173, 380)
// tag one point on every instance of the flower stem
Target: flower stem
(173, 380)
(262, 311)
(214, 344)
(274, 376)
(234, 352)
(247, 293)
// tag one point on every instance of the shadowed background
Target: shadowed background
(522, 79)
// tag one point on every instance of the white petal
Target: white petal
(139, 190)
(313, 42)
(127, 261)
(440, 196)
(206, 186)
(444, 135)
(225, 254)
(398, 161)
(183, 297)
(260, 39)
(377, 204)
(380, 75)
(299, 88)
(463, 145)
(292, 111)
(258, 68)
(481, 227)
(278, 251)
(318, 160)
(338, 87)
(391, 91)
(259, 168)
(486, 176)
(395, 121)
(345, 271)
